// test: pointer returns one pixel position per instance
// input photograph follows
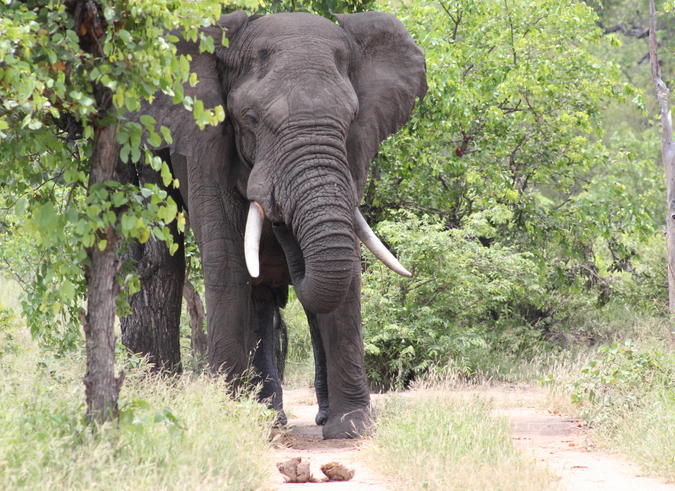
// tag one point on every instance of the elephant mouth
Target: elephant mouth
(294, 254)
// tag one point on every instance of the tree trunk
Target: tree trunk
(668, 157)
(195, 308)
(153, 327)
(101, 386)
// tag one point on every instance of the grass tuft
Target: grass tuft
(438, 442)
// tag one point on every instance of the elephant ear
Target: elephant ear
(188, 139)
(389, 73)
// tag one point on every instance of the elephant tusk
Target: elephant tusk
(254, 224)
(370, 240)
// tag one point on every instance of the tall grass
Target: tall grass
(182, 433)
(439, 442)
(626, 392)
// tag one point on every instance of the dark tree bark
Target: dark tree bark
(153, 327)
(101, 386)
(197, 314)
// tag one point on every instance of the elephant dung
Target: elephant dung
(295, 470)
(335, 471)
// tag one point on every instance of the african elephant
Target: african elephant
(272, 192)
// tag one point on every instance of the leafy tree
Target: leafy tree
(513, 128)
(70, 72)
(319, 7)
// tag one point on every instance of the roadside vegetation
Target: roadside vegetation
(625, 392)
(172, 433)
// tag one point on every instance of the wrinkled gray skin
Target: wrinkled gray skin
(308, 103)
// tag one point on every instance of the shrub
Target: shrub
(616, 382)
(627, 393)
(465, 300)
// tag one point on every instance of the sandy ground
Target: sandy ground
(554, 440)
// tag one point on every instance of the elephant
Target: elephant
(272, 192)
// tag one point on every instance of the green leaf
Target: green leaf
(167, 213)
(154, 139)
(166, 134)
(127, 222)
(147, 121)
(205, 43)
(125, 36)
(166, 174)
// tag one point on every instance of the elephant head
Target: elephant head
(308, 103)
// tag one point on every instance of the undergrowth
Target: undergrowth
(626, 392)
(174, 433)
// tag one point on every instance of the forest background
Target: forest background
(526, 194)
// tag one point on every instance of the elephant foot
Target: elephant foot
(321, 417)
(353, 424)
(281, 419)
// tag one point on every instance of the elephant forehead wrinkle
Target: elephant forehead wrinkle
(298, 24)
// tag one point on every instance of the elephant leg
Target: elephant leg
(264, 363)
(342, 340)
(280, 342)
(320, 373)
(229, 309)
(216, 215)
(152, 327)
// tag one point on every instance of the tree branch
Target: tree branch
(662, 91)
(635, 32)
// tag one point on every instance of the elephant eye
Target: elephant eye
(250, 117)
(341, 60)
(263, 55)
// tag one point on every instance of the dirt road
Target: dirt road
(553, 440)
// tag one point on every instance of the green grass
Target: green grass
(183, 433)
(647, 434)
(439, 442)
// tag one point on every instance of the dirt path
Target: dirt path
(553, 440)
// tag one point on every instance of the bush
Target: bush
(465, 301)
(615, 383)
(627, 393)
(300, 358)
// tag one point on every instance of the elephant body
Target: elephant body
(307, 103)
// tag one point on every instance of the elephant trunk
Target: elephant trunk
(318, 235)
